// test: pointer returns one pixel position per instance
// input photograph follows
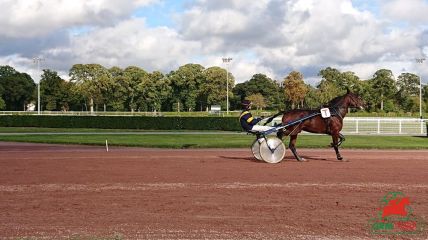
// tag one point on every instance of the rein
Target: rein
(335, 108)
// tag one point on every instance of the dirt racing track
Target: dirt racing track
(57, 192)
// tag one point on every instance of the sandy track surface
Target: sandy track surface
(58, 191)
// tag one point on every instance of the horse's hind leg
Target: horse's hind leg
(292, 146)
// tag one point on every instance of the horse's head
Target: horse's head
(348, 100)
(353, 100)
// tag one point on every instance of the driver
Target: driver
(248, 122)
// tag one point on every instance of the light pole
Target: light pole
(38, 60)
(227, 61)
(420, 60)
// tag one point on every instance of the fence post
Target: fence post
(399, 128)
(356, 125)
(378, 126)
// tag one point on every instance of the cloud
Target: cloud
(413, 11)
(300, 34)
(130, 42)
(28, 19)
(272, 37)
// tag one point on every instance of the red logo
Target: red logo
(396, 207)
(396, 216)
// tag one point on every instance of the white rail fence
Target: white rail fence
(382, 126)
(406, 126)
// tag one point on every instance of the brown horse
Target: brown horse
(331, 126)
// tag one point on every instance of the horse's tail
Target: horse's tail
(274, 116)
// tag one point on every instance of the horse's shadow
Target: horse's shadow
(252, 159)
(286, 158)
(311, 158)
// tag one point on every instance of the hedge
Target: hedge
(122, 122)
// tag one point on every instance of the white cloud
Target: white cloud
(132, 43)
(272, 37)
(302, 34)
(412, 11)
(27, 19)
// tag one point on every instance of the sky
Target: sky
(273, 37)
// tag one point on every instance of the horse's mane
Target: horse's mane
(335, 101)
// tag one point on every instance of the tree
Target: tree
(133, 76)
(118, 90)
(351, 82)
(295, 88)
(124, 89)
(213, 89)
(77, 101)
(383, 85)
(54, 91)
(17, 88)
(312, 98)
(93, 81)
(2, 103)
(260, 83)
(408, 90)
(333, 77)
(327, 91)
(408, 84)
(258, 101)
(367, 95)
(185, 83)
(153, 90)
(425, 96)
(340, 80)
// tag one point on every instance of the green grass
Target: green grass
(218, 140)
(77, 130)
(56, 130)
(84, 130)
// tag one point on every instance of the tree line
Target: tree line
(192, 87)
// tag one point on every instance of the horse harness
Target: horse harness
(335, 111)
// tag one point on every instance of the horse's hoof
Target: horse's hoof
(342, 159)
(302, 160)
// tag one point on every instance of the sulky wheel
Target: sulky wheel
(272, 150)
(255, 149)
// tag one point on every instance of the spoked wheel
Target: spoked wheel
(255, 149)
(272, 150)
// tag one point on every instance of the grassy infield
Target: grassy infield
(197, 140)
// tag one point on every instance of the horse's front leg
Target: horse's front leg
(336, 144)
(292, 146)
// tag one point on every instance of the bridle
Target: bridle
(337, 108)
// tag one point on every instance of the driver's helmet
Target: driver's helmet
(246, 104)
